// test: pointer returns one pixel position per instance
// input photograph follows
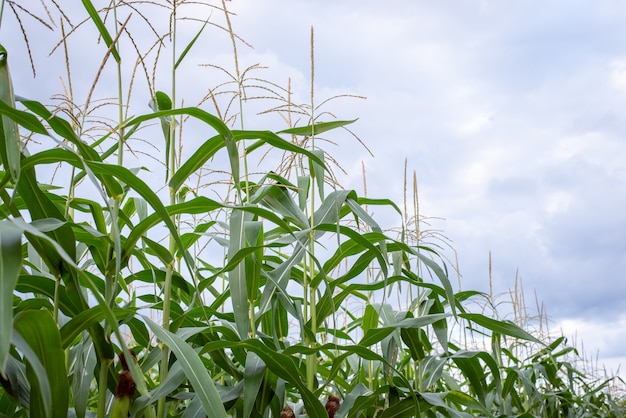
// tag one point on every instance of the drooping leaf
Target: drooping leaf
(194, 369)
(278, 199)
(10, 266)
(41, 333)
(85, 319)
(501, 327)
(376, 335)
(283, 366)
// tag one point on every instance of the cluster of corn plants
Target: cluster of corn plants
(147, 271)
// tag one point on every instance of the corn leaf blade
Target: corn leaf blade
(194, 370)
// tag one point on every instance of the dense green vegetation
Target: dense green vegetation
(128, 287)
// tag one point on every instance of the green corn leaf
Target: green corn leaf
(277, 198)
(175, 378)
(412, 338)
(191, 207)
(278, 279)
(63, 128)
(280, 364)
(25, 119)
(347, 405)
(40, 332)
(440, 327)
(330, 300)
(275, 141)
(134, 182)
(189, 46)
(470, 365)
(103, 346)
(59, 125)
(46, 286)
(10, 143)
(40, 395)
(317, 128)
(501, 327)
(95, 17)
(252, 379)
(442, 276)
(191, 238)
(81, 373)
(459, 398)
(376, 335)
(194, 369)
(160, 251)
(85, 319)
(226, 137)
(304, 183)
(10, 266)
(56, 155)
(370, 318)
(237, 276)
(253, 232)
(317, 171)
(366, 400)
(329, 211)
(355, 245)
(406, 408)
(206, 150)
(163, 102)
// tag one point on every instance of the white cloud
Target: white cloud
(618, 74)
(558, 202)
(598, 338)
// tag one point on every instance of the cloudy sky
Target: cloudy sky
(512, 113)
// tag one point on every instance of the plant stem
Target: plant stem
(55, 308)
(1, 12)
(102, 387)
(240, 95)
(309, 291)
(169, 269)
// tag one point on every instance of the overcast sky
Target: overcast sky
(512, 114)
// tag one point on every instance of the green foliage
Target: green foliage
(275, 295)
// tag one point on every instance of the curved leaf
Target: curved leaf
(10, 266)
(501, 327)
(317, 128)
(194, 370)
(41, 333)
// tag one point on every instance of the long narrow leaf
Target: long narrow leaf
(40, 331)
(194, 370)
(9, 134)
(253, 377)
(375, 335)
(501, 327)
(237, 276)
(317, 128)
(10, 266)
(95, 17)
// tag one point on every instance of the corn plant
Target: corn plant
(157, 274)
